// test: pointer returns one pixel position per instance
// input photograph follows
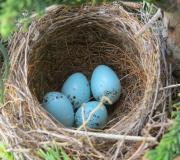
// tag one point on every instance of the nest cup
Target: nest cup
(66, 41)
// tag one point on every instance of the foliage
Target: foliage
(169, 147)
(53, 153)
(10, 10)
(4, 154)
(148, 8)
(48, 153)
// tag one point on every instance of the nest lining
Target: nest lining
(67, 41)
(81, 49)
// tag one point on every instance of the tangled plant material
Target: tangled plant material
(68, 40)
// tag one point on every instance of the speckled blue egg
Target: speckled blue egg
(105, 82)
(59, 106)
(97, 120)
(77, 89)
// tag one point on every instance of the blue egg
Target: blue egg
(59, 106)
(77, 89)
(97, 120)
(105, 82)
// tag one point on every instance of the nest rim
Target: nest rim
(37, 29)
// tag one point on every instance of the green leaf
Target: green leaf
(64, 155)
(53, 153)
(4, 154)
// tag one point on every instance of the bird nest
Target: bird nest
(68, 40)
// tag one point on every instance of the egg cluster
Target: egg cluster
(74, 104)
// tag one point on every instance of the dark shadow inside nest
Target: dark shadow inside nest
(59, 54)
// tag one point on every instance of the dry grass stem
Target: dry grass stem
(113, 136)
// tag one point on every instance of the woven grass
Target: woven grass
(65, 41)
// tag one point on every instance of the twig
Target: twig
(170, 86)
(150, 22)
(19, 150)
(119, 145)
(133, 5)
(138, 152)
(57, 135)
(156, 91)
(47, 9)
(112, 136)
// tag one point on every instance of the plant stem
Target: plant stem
(112, 136)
